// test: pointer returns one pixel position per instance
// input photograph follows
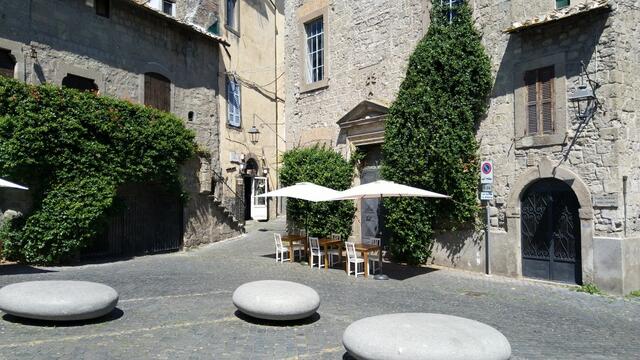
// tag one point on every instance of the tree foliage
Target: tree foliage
(430, 132)
(323, 167)
(74, 149)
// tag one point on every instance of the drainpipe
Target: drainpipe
(624, 202)
(275, 77)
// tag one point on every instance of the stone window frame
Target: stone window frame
(559, 135)
(15, 50)
(63, 69)
(232, 29)
(303, 20)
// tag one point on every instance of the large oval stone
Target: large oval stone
(58, 300)
(424, 336)
(276, 300)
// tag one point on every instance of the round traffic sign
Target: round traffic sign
(486, 168)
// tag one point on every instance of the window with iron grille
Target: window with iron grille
(562, 3)
(7, 63)
(540, 101)
(102, 7)
(315, 50)
(234, 116)
(157, 91)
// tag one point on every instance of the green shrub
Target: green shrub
(635, 293)
(74, 149)
(430, 133)
(323, 167)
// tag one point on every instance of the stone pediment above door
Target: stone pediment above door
(364, 124)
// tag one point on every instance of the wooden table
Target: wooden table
(327, 243)
(365, 249)
(291, 239)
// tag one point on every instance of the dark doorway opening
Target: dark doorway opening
(80, 83)
(248, 184)
(550, 226)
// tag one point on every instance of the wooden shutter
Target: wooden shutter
(7, 64)
(545, 81)
(157, 91)
(530, 81)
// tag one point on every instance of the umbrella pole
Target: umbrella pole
(380, 275)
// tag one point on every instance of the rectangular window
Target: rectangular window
(234, 116)
(232, 14)
(562, 3)
(102, 7)
(168, 7)
(7, 63)
(80, 83)
(540, 106)
(315, 50)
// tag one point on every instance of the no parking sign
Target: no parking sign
(486, 172)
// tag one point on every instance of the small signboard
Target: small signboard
(486, 196)
(486, 187)
(486, 172)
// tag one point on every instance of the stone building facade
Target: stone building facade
(567, 188)
(251, 79)
(134, 52)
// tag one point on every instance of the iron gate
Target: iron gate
(550, 228)
(149, 221)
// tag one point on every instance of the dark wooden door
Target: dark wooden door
(157, 91)
(550, 228)
(148, 220)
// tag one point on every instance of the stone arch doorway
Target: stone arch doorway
(546, 169)
(550, 232)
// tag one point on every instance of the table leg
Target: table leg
(291, 251)
(326, 257)
(366, 263)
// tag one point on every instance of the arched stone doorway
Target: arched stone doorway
(547, 169)
(550, 232)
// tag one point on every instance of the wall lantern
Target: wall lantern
(585, 101)
(265, 171)
(254, 134)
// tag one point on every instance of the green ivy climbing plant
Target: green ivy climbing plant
(74, 149)
(324, 167)
(430, 133)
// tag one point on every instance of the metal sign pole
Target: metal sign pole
(486, 239)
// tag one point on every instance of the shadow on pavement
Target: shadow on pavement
(346, 356)
(402, 272)
(250, 319)
(19, 269)
(113, 315)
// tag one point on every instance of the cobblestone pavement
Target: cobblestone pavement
(178, 306)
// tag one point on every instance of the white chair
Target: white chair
(337, 252)
(374, 256)
(315, 251)
(280, 249)
(352, 258)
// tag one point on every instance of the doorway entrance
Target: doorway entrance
(371, 211)
(255, 207)
(550, 226)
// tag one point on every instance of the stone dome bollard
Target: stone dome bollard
(276, 300)
(58, 300)
(424, 336)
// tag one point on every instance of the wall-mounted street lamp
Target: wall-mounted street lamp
(584, 100)
(254, 134)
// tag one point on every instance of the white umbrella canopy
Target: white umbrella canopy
(305, 191)
(383, 188)
(9, 184)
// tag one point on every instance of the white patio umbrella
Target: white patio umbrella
(383, 188)
(9, 184)
(305, 191)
